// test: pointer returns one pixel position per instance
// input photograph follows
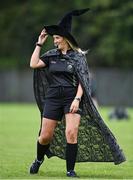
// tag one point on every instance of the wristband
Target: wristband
(78, 98)
(37, 44)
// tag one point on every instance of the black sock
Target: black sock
(71, 154)
(41, 150)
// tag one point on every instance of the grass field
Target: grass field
(19, 125)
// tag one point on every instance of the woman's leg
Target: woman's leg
(72, 125)
(47, 131)
(46, 135)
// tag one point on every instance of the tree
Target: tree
(106, 30)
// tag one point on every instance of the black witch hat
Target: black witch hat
(64, 27)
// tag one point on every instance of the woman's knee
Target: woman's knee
(45, 138)
(71, 135)
(47, 130)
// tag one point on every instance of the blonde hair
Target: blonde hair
(76, 48)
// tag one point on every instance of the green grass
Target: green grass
(19, 124)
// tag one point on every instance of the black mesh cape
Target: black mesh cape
(96, 143)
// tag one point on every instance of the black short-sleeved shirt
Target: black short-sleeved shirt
(62, 72)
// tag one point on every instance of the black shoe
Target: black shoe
(72, 173)
(35, 166)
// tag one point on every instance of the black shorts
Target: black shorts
(58, 101)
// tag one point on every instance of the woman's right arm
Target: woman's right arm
(35, 61)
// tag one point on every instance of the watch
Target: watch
(78, 98)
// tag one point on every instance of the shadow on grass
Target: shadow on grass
(62, 175)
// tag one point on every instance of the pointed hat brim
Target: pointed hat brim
(59, 30)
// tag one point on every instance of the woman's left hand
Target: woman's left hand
(74, 106)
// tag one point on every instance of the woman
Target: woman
(61, 86)
(56, 105)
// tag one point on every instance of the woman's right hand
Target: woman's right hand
(42, 37)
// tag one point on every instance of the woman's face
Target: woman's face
(59, 41)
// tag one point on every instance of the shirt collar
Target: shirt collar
(68, 51)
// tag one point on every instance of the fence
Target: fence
(113, 86)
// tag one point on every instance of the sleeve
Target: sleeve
(45, 59)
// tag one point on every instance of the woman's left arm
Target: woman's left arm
(75, 104)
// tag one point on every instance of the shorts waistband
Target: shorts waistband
(63, 90)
